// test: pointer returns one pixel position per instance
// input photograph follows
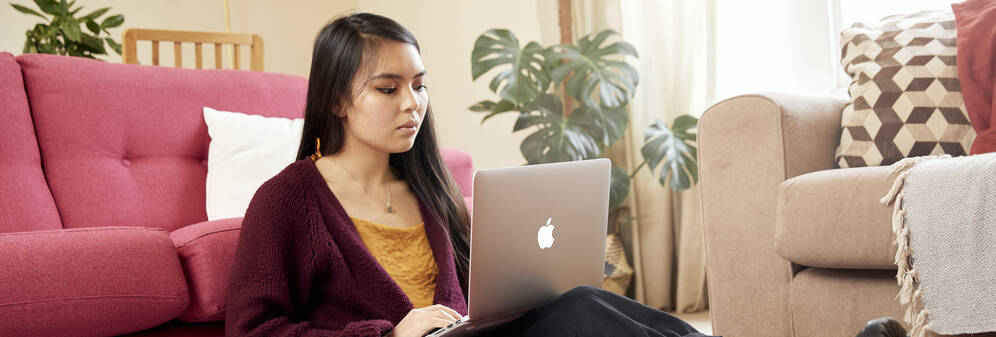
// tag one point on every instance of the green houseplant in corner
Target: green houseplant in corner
(62, 33)
(573, 99)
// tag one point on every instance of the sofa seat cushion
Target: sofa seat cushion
(206, 251)
(27, 203)
(105, 281)
(827, 302)
(834, 219)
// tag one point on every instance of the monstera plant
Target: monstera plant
(61, 34)
(572, 100)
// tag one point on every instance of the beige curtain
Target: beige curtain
(677, 77)
(675, 65)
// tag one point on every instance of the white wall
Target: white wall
(446, 30)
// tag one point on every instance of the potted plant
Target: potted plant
(62, 33)
(572, 99)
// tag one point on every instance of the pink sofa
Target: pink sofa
(103, 229)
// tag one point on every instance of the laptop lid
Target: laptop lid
(536, 232)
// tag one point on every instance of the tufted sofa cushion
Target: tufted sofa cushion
(26, 203)
(126, 145)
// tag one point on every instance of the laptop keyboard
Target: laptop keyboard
(441, 331)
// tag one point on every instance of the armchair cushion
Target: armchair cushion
(102, 280)
(833, 219)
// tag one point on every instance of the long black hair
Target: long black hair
(340, 48)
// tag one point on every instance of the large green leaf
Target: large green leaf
(591, 68)
(613, 122)
(673, 147)
(557, 138)
(26, 10)
(619, 188)
(609, 123)
(526, 76)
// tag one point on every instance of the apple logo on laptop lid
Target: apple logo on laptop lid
(545, 235)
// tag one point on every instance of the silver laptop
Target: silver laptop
(537, 231)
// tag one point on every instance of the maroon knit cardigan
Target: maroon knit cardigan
(301, 268)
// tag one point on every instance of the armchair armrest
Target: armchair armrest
(749, 145)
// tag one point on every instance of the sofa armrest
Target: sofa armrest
(749, 145)
(102, 280)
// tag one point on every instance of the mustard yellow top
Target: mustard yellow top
(406, 255)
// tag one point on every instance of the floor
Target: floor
(699, 320)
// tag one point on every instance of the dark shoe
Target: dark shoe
(883, 327)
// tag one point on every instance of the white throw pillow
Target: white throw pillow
(245, 151)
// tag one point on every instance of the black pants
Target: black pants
(588, 311)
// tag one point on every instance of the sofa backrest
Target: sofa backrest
(126, 145)
(26, 203)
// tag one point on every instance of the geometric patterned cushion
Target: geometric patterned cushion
(905, 96)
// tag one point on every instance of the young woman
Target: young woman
(366, 234)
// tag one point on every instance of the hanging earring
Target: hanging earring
(318, 150)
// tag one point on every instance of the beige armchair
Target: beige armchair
(794, 245)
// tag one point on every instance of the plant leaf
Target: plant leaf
(675, 149)
(612, 122)
(526, 76)
(28, 46)
(95, 14)
(492, 108)
(112, 21)
(26, 10)
(114, 45)
(483, 106)
(684, 123)
(557, 138)
(619, 188)
(594, 71)
(93, 26)
(48, 6)
(92, 44)
(71, 30)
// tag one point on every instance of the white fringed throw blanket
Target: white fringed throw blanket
(944, 217)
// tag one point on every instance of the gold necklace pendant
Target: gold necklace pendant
(387, 204)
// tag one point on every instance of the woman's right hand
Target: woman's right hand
(419, 321)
